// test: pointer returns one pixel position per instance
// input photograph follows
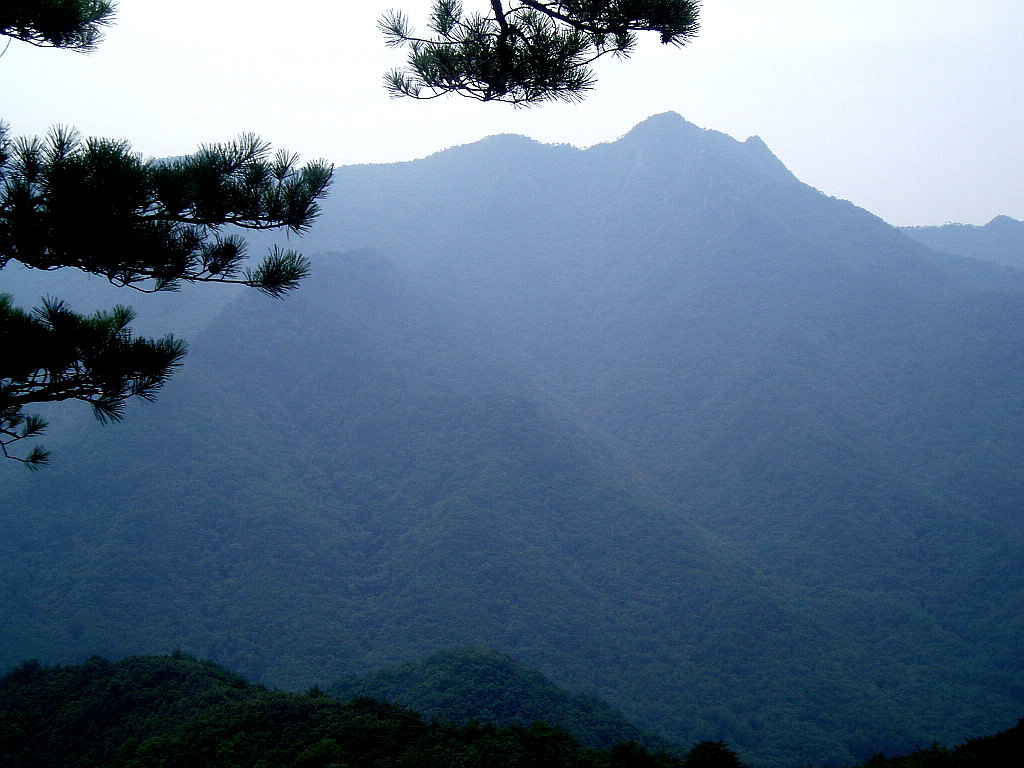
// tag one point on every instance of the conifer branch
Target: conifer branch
(72, 24)
(54, 354)
(526, 51)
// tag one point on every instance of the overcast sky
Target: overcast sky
(913, 109)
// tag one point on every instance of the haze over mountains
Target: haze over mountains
(1001, 240)
(654, 418)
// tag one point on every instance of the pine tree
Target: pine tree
(526, 51)
(95, 205)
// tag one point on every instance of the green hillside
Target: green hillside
(160, 711)
(424, 499)
(480, 684)
(176, 710)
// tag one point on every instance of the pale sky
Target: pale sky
(913, 109)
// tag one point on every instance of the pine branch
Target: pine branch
(96, 206)
(72, 24)
(526, 51)
(54, 354)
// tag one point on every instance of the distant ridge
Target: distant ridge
(1000, 241)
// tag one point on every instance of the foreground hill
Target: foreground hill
(480, 684)
(152, 711)
(1002, 750)
(653, 418)
(174, 711)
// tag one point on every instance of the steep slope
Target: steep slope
(654, 418)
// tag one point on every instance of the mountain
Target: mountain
(654, 418)
(1001, 240)
(478, 684)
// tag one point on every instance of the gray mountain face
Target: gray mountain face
(654, 418)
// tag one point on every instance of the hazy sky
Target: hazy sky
(913, 109)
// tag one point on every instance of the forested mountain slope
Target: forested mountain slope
(314, 496)
(654, 418)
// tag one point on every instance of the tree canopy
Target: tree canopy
(172, 711)
(75, 24)
(149, 225)
(95, 205)
(526, 51)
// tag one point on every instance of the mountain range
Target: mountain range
(654, 418)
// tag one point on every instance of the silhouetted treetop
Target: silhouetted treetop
(95, 205)
(526, 51)
(74, 24)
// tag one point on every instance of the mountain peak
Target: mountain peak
(668, 135)
(1004, 223)
(667, 126)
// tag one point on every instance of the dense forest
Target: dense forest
(176, 710)
(481, 684)
(655, 419)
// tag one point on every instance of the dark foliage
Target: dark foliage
(150, 225)
(55, 354)
(1002, 750)
(151, 712)
(526, 51)
(176, 710)
(711, 754)
(484, 685)
(73, 24)
(97, 206)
